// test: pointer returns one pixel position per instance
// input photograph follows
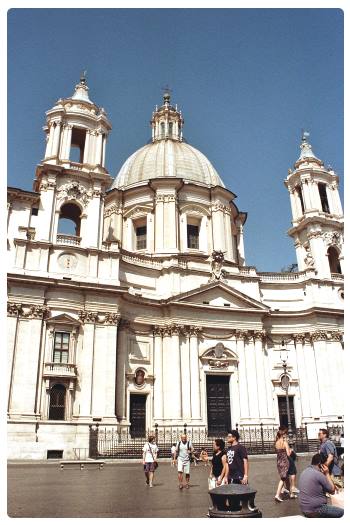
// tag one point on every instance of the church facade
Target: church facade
(130, 302)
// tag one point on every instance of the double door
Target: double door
(218, 405)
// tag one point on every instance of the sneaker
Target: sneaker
(296, 491)
(293, 496)
(150, 486)
(180, 487)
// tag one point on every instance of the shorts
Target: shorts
(183, 467)
(149, 467)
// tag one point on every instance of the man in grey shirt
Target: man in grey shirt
(314, 482)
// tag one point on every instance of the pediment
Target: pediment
(138, 211)
(219, 295)
(63, 319)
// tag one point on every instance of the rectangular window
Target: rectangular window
(35, 211)
(61, 347)
(323, 196)
(141, 237)
(193, 236)
(77, 145)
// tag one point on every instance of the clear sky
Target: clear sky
(247, 81)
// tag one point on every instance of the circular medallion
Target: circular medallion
(67, 261)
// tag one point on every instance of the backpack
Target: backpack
(188, 448)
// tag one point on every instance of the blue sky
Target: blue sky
(247, 81)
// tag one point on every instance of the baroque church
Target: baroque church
(131, 303)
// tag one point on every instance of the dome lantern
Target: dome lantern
(167, 121)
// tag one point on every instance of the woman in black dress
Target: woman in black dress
(219, 466)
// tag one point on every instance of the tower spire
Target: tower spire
(81, 89)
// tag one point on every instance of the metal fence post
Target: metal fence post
(185, 429)
(307, 438)
(262, 437)
(156, 431)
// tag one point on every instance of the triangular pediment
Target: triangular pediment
(219, 295)
(64, 319)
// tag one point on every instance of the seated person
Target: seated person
(315, 481)
(204, 457)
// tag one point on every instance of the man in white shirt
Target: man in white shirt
(184, 450)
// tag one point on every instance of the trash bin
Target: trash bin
(233, 501)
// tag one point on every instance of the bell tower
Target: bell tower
(72, 177)
(317, 215)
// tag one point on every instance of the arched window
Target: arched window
(57, 402)
(323, 196)
(77, 145)
(333, 259)
(162, 130)
(300, 195)
(69, 221)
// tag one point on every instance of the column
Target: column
(158, 373)
(25, 366)
(159, 225)
(186, 377)
(301, 366)
(121, 370)
(104, 378)
(253, 393)
(85, 360)
(240, 245)
(293, 203)
(194, 369)
(260, 373)
(56, 139)
(324, 371)
(183, 232)
(268, 379)
(227, 217)
(98, 155)
(170, 223)
(242, 376)
(218, 227)
(336, 197)
(171, 374)
(67, 142)
(104, 150)
(312, 380)
(49, 144)
(88, 137)
(337, 353)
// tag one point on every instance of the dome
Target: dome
(167, 158)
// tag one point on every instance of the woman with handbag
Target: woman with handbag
(149, 459)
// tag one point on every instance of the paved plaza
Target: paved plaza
(43, 490)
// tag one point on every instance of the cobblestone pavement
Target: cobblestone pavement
(43, 490)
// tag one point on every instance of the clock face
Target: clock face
(67, 261)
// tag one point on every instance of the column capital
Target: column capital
(158, 331)
(13, 309)
(194, 331)
(242, 334)
(299, 338)
(319, 335)
(86, 316)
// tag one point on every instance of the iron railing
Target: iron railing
(111, 442)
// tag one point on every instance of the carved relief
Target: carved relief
(319, 336)
(308, 259)
(333, 238)
(217, 262)
(76, 191)
(67, 261)
(114, 208)
(299, 338)
(28, 311)
(13, 309)
(87, 317)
